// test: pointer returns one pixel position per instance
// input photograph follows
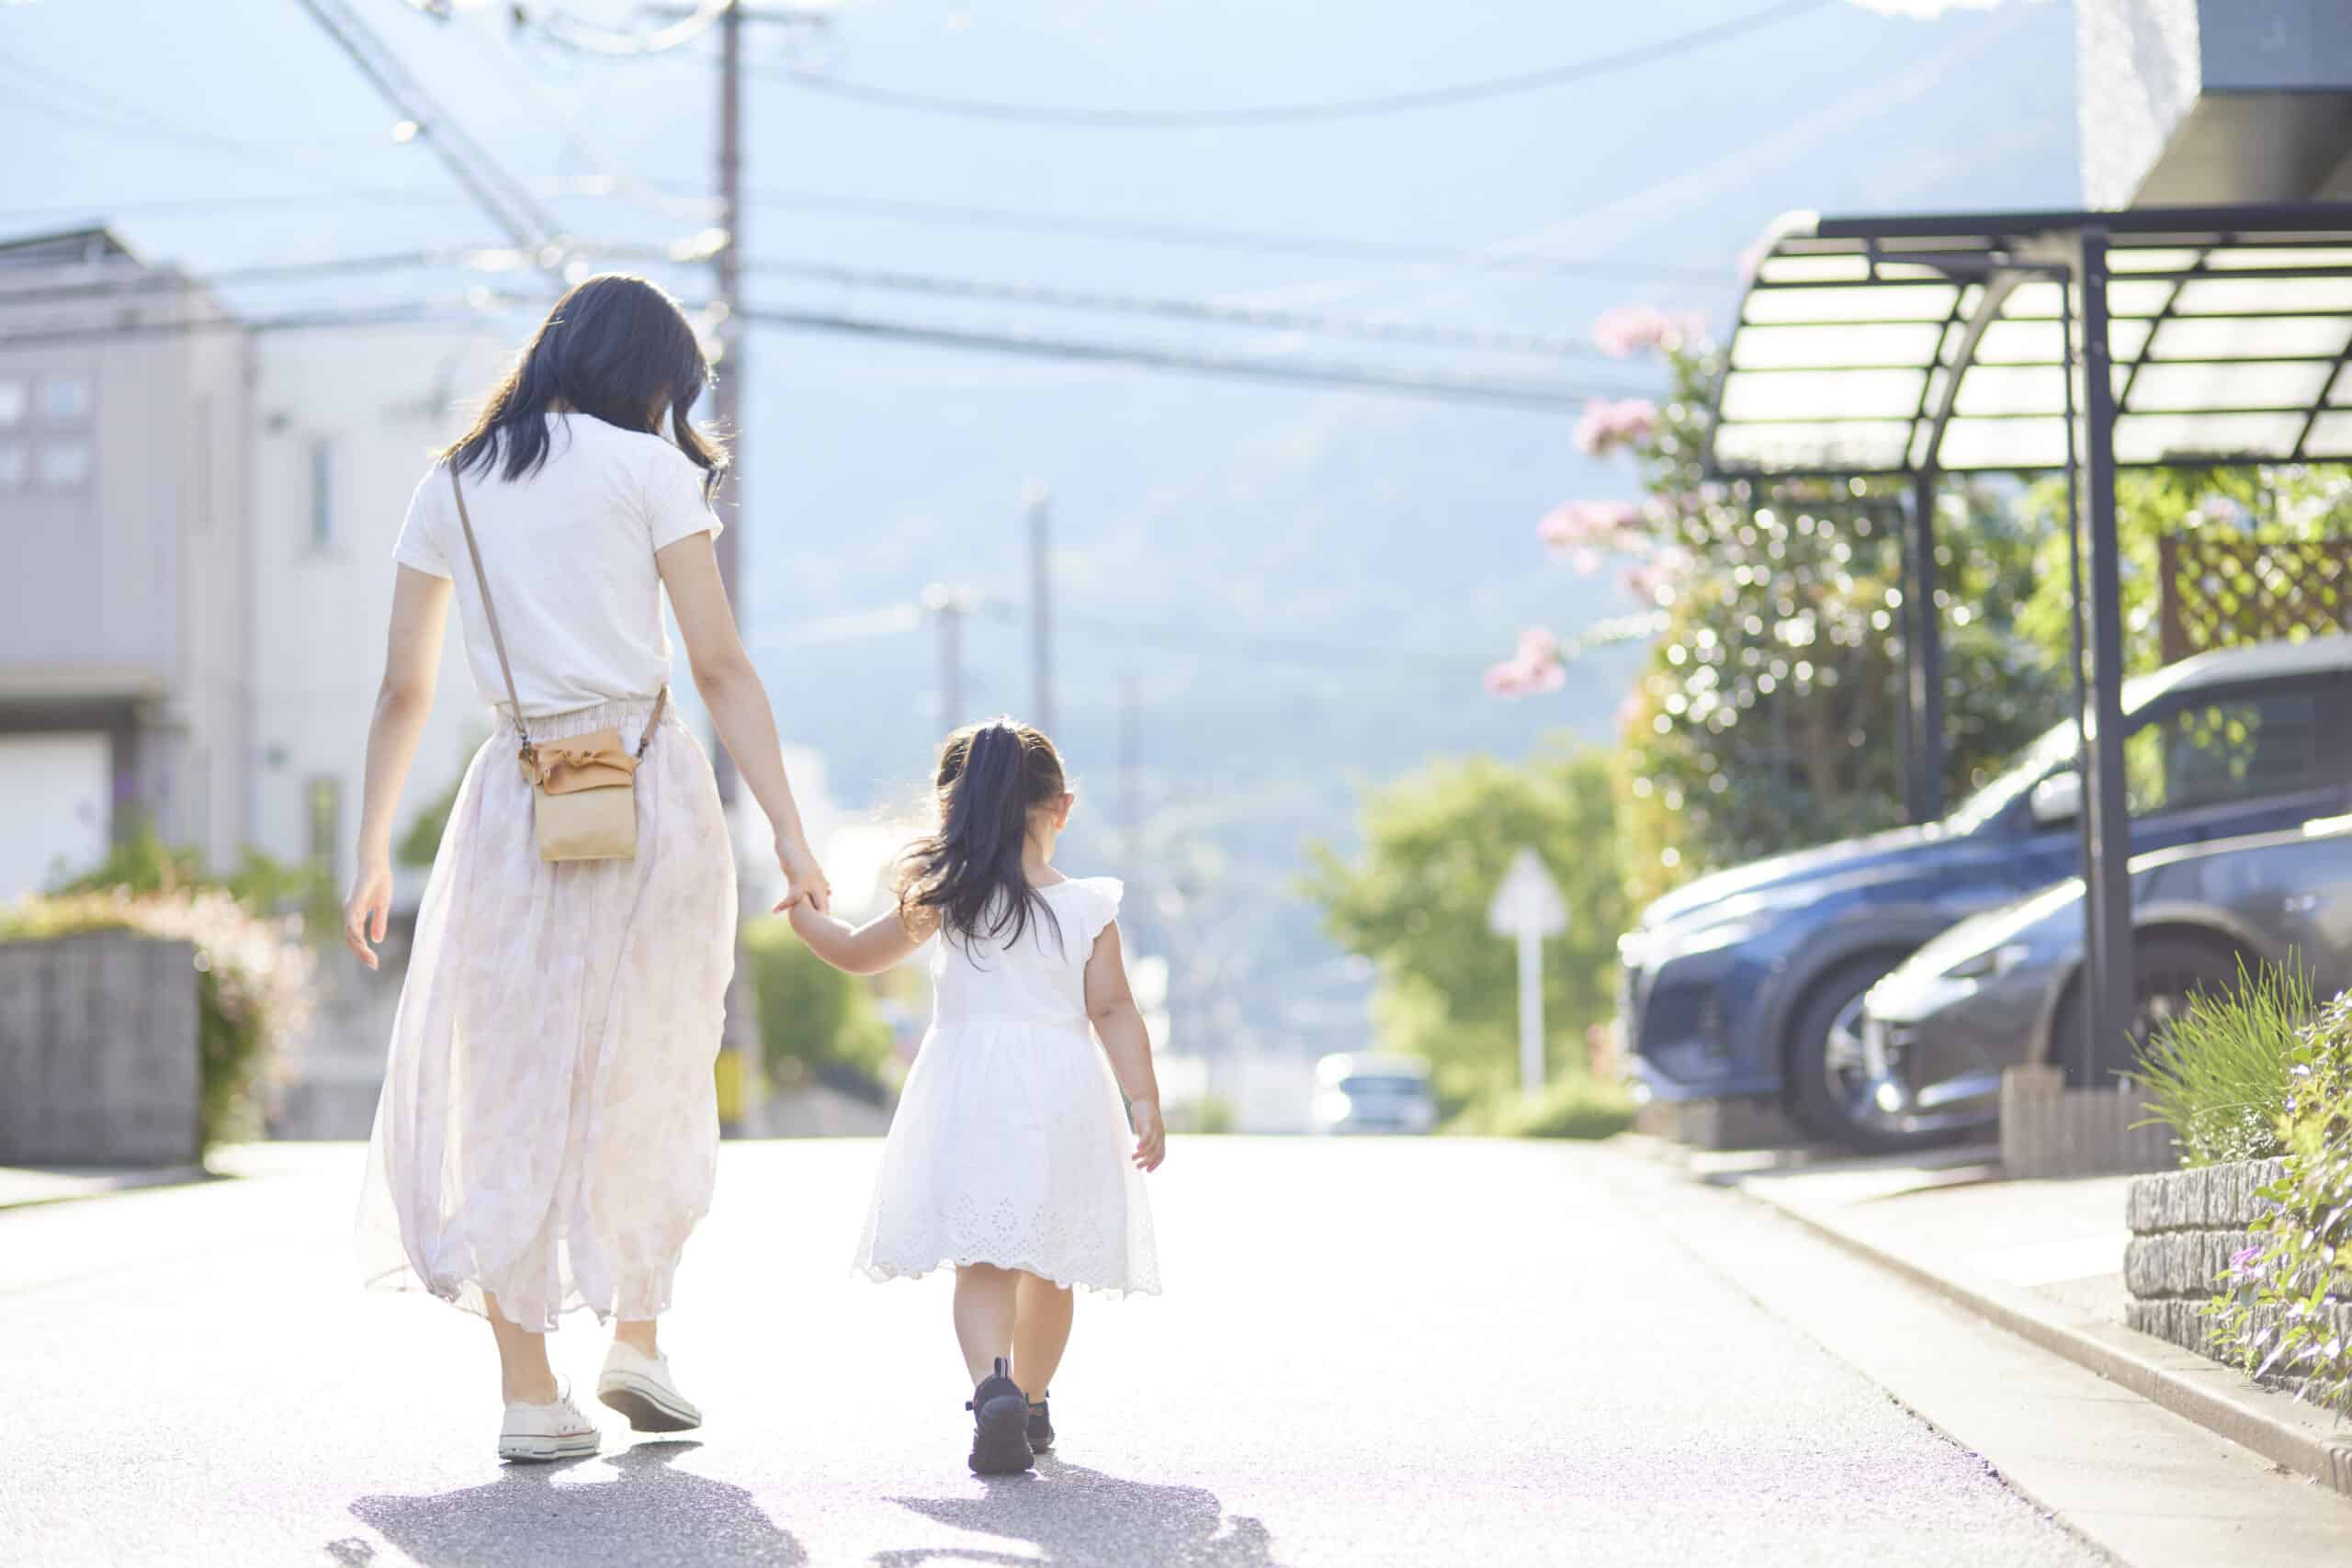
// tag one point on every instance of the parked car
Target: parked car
(1360, 1092)
(2004, 987)
(1732, 984)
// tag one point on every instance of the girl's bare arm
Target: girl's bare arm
(862, 950)
(1127, 1043)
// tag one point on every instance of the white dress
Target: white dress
(1011, 1142)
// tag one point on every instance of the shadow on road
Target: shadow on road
(1078, 1518)
(533, 1515)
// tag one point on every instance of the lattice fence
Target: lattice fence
(2221, 590)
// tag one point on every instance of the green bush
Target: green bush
(1210, 1113)
(2220, 1075)
(815, 1021)
(1578, 1106)
(2285, 1307)
(253, 983)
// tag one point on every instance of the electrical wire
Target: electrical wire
(1297, 113)
(1213, 238)
(1547, 396)
(560, 27)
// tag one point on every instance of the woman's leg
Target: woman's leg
(985, 1308)
(524, 1375)
(1040, 1332)
(638, 1334)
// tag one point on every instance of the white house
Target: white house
(125, 637)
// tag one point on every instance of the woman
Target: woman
(548, 1131)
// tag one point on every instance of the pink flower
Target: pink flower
(1628, 330)
(1608, 424)
(1582, 525)
(1646, 580)
(1533, 666)
(1630, 711)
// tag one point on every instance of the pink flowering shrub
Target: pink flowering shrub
(1629, 330)
(1533, 666)
(1609, 424)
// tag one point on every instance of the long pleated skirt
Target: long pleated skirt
(548, 1128)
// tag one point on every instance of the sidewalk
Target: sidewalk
(2044, 1260)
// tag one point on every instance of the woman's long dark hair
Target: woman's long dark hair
(616, 347)
(991, 776)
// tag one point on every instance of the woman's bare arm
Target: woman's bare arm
(404, 702)
(868, 949)
(1127, 1043)
(737, 700)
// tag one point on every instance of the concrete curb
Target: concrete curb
(24, 1188)
(2216, 1397)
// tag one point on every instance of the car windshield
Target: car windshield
(1368, 1083)
(2054, 744)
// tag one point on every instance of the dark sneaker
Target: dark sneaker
(1000, 1424)
(1041, 1426)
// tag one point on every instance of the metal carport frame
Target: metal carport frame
(1915, 346)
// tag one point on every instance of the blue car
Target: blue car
(1732, 986)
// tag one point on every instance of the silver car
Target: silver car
(2003, 987)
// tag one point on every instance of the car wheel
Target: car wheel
(2166, 972)
(1826, 1083)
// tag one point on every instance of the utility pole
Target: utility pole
(948, 605)
(727, 397)
(1041, 620)
(1130, 774)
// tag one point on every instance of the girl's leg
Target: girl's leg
(1040, 1333)
(524, 1375)
(985, 1307)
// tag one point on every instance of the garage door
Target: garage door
(53, 808)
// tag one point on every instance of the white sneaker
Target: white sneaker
(639, 1387)
(554, 1430)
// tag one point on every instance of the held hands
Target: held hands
(365, 912)
(1151, 1137)
(804, 879)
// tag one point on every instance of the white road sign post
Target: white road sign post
(1530, 907)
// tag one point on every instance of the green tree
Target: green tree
(1414, 900)
(814, 1019)
(2274, 504)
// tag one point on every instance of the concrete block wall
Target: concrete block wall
(99, 1052)
(2186, 1227)
(2050, 1131)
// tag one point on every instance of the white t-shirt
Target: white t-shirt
(570, 554)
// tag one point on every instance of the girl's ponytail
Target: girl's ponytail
(991, 776)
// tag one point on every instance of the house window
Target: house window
(325, 799)
(12, 465)
(63, 465)
(12, 401)
(65, 398)
(321, 493)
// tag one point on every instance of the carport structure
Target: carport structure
(1910, 347)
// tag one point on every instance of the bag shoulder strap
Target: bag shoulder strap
(489, 608)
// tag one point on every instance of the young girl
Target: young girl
(1008, 1154)
(548, 1131)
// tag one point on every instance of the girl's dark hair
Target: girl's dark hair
(616, 348)
(990, 777)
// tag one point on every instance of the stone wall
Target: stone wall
(2186, 1227)
(99, 1052)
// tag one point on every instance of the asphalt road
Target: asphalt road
(1418, 1352)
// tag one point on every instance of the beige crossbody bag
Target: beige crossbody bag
(583, 787)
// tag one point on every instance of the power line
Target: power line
(474, 308)
(1263, 367)
(1216, 238)
(1212, 312)
(1209, 312)
(560, 27)
(506, 199)
(1292, 114)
